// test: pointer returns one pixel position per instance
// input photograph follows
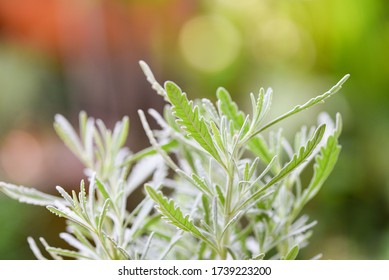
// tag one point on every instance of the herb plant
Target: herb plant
(233, 192)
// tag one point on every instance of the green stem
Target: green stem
(227, 211)
(102, 241)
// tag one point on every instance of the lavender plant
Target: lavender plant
(98, 223)
(235, 194)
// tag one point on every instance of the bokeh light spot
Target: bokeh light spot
(21, 157)
(277, 40)
(209, 43)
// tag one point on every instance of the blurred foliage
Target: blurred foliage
(14, 232)
(298, 47)
(29, 89)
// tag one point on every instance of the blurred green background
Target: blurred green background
(65, 56)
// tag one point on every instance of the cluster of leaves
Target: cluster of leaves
(98, 223)
(234, 194)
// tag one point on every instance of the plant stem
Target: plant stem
(227, 210)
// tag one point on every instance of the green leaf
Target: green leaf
(46, 245)
(28, 195)
(201, 184)
(229, 108)
(264, 172)
(253, 167)
(190, 119)
(296, 161)
(147, 246)
(82, 197)
(196, 181)
(246, 172)
(304, 153)
(231, 222)
(206, 207)
(102, 189)
(201, 251)
(173, 214)
(324, 164)
(76, 205)
(217, 136)
(257, 104)
(65, 195)
(124, 255)
(68, 214)
(259, 148)
(68, 253)
(210, 109)
(242, 132)
(35, 249)
(319, 99)
(259, 257)
(172, 243)
(151, 79)
(73, 241)
(261, 105)
(103, 214)
(170, 119)
(58, 212)
(68, 135)
(154, 142)
(292, 254)
(220, 195)
(215, 216)
(120, 134)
